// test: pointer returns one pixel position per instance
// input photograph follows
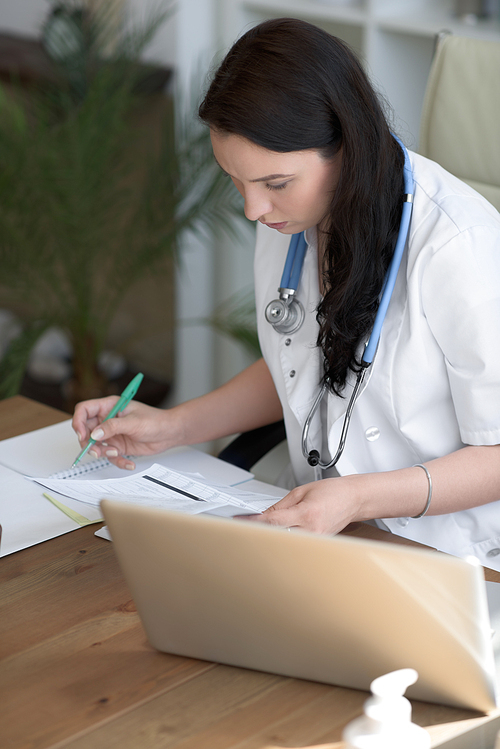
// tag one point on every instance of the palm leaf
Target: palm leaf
(15, 359)
(83, 215)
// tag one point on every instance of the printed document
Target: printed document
(159, 486)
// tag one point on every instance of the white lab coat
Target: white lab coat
(435, 382)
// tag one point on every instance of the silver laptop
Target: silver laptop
(338, 610)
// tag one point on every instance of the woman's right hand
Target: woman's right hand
(247, 401)
(137, 430)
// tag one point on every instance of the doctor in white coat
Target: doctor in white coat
(297, 127)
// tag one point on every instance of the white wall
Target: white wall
(163, 48)
(23, 17)
(208, 274)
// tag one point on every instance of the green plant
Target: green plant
(236, 318)
(89, 206)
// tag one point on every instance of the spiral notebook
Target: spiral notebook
(29, 518)
(51, 450)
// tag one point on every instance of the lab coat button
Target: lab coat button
(288, 341)
(292, 373)
(403, 522)
(493, 553)
(372, 434)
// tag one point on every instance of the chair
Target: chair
(460, 125)
(248, 448)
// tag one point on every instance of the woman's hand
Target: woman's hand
(325, 506)
(247, 401)
(137, 430)
(466, 478)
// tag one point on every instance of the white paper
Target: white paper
(27, 517)
(157, 483)
(199, 508)
(256, 499)
(53, 449)
(175, 503)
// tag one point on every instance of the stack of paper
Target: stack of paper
(42, 497)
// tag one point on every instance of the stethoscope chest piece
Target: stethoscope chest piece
(285, 314)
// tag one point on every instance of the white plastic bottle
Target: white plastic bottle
(386, 723)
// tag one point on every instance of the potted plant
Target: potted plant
(87, 207)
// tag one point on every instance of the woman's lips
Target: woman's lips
(280, 225)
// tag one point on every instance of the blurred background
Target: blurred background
(121, 248)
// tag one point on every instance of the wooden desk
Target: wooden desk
(77, 671)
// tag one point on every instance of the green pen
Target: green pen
(121, 403)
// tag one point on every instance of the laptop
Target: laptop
(338, 610)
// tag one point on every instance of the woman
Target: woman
(297, 127)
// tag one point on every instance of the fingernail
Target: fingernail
(93, 453)
(129, 466)
(97, 434)
(112, 453)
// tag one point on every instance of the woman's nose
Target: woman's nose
(257, 205)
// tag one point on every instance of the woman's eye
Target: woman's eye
(277, 187)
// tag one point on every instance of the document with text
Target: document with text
(159, 486)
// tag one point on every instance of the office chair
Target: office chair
(248, 448)
(460, 125)
(460, 129)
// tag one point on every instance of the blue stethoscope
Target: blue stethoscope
(286, 314)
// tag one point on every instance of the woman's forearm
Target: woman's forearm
(466, 478)
(246, 402)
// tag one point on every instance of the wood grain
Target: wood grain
(76, 669)
(19, 415)
(230, 708)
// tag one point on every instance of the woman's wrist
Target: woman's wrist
(175, 425)
(391, 494)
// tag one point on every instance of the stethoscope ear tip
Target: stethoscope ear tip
(313, 458)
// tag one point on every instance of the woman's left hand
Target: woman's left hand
(466, 478)
(325, 506)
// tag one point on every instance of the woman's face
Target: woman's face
(289, 192)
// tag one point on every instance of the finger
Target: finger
(88, 414)
(277, 521)
(110, 428)
(291, 499)
(122, 462)
(113, 455)
(289, 518)
(81, 426)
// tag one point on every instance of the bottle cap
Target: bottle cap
(387, 702)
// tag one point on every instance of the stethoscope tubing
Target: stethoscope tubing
(389, 283)
(294, 262)
(313, 457)
(290, 281)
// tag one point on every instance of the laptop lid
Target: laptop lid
(338, 610)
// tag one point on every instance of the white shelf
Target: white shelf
(394, 38)
(431, 22)
(311, 10)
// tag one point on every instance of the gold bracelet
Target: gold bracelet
(429, 496)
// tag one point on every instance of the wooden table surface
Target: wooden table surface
(76, 669)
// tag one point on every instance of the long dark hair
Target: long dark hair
(289, 86)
